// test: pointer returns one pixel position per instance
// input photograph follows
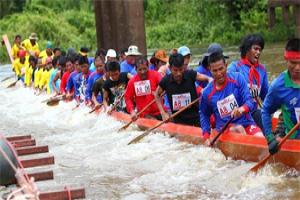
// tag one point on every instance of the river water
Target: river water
(90, 153)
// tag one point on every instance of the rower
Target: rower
(31, 46)
(99, 64)
(47, 52)
(284, 93)
(111, 55)
(158, 60)
(45, 75)
(81, 80)
(128, 65)
(16, 47)
(97, 89)
(140, 89)
(72, 78)
(181, 91)
(29, 71)
(203, 65)
(254, 73)
(19, 65)
(56, 81)
(186, 53)
(227, 96)
(68, 70)
(114, 86)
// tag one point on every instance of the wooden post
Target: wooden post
(286, 14)
(119, 24)
(272, 17)
(296, 10)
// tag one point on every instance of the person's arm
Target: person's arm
(129, 76)
(105, 99)
(88, 92)
(205, 113)
(157, 97)
(129, 100)
(203, 77)
(270, 105)
(264, 87)
(57, 76)
(248, 104)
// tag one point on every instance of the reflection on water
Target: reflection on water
(90, 152)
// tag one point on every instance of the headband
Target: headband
(288, 55)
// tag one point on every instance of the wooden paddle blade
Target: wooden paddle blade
(12, 84)
(264, 161)
(7, 78)
(53, 102)
(125, 126)
(138, 138)
(260, 164)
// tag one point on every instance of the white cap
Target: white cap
(110, 53)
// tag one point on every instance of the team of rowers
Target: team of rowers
(238, 91)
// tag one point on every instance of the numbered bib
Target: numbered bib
(181, 100)
(297, 113)
(142, 88)
(226, 106)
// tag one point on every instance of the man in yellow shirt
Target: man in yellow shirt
(31, 45)
(20, 64)
(46, 53)
(29, 71)
(45, 75)
(16, 47)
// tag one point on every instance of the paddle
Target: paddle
(117, 103)
(221, 132)
(52, 98)
(6, 78)
(12, 84)
(138, 138)
(264, 161)
(259, 101)
(55, 100)
(96, 108)
(138, 114)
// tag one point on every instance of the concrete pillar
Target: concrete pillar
(120, 23)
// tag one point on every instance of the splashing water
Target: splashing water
(89, 152)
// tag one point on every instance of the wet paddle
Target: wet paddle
(96, 108)
(138, 114)
(12, 84)
(52, 98)
(221, 132)
(55, 100)
(6, 78)
(138, 138)
(264, 161)
(117, 103)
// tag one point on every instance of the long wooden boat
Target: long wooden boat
(236, 146)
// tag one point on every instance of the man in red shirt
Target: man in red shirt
(140, 90)
(65, 77)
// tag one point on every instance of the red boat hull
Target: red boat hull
(236, 146)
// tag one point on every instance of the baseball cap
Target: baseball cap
(214, 48)
(184, 50)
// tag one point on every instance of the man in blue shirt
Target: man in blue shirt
(284, 93)
(225, 97)
(253, 72)
(128, 65)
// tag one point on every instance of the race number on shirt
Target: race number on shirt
(226, 106)
(297, 113)
(142, 88)
(181, 100)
